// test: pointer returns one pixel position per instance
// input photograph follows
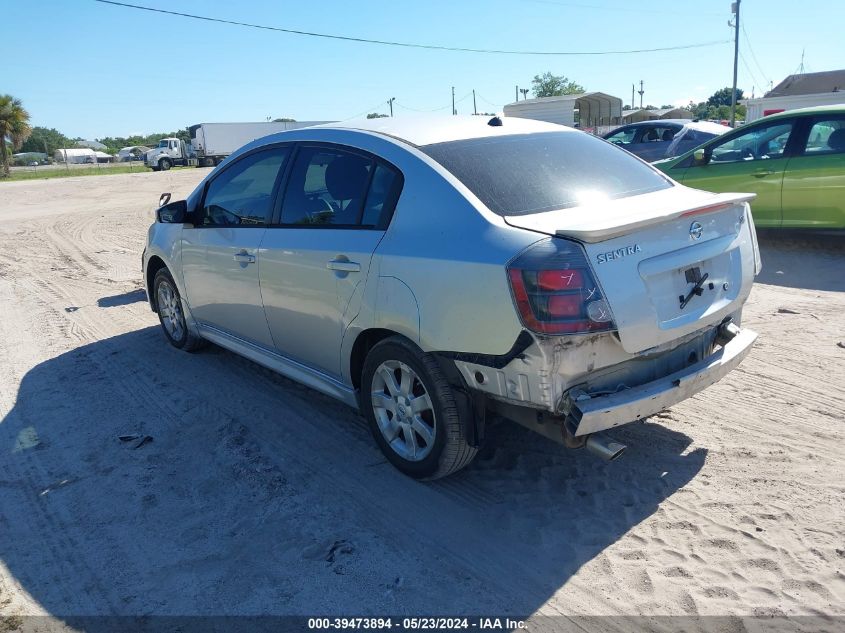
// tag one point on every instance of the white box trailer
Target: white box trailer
(212, 142)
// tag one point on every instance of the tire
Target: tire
(171, 315)
(440, 451)
(208, 162)
(164, 164)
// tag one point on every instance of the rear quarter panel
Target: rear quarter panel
(453, 260)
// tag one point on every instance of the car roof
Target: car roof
(427, 130)
(656, 122)
(825, 109)
(707, 126)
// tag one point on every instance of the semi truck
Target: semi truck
(212, 142)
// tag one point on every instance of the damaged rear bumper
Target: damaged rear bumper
(591, 414)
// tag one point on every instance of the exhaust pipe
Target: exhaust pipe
(605, 447)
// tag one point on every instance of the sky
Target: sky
(93, 70)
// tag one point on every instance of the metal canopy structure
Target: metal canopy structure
(584, 110)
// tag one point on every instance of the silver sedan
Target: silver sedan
(428, 273)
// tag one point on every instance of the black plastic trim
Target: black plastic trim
(522, 343)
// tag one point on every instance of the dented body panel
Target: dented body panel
(671, 267)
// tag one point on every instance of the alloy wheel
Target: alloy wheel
(403, 410)
(170, 311)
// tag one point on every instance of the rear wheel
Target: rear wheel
(171, 315)
(411, 411)
(165, 164)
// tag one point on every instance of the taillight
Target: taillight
(555, 292)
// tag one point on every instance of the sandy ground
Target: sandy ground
(260, 496)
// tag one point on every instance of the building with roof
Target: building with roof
(799, 91)
(635, 116)
(75, 155)
(587, 110)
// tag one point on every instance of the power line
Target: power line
(596, 7)
(367, 111)
(487, 101)
(748, 69)
(753, 56)
(404, 107)
(362, 40)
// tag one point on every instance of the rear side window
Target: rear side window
(327, 186)
(382, 196)
(827, 136)
(522, 174)
(330, 187)
(241, 195)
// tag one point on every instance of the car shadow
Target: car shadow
(135, 296)
(140, 480)
(813, 261)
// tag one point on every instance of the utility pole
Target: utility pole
(474, 109)
(524, 92)
(454, 112)
(632, 96)
(735, 9)
(390, 103)
(517, 92)
(641, 92)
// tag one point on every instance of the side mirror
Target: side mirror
(173, 213)
(701, 156)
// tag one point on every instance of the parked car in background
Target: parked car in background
(427, 272)
(794, 161)
(653, 140)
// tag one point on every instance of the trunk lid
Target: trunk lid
(649, 251)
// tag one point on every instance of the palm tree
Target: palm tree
(14, 125)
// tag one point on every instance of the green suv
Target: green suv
(794, 161)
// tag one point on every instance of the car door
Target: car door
(749, 160)
(316, 258)
(814, 179)
(220, 251)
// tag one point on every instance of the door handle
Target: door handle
(762, 173)
(244, 258)
(344, 265)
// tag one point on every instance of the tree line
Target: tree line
(48, 140)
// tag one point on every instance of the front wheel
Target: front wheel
(411, 410)
(171, 315)
(165, 164)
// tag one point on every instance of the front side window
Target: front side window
(625, 136)
(242, 194)
(520, 174)
(827, 136)
(327, 186)
(761, 143)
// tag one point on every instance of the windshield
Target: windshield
(162, 143)
(522, 174)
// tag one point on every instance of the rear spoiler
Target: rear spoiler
(625, 215)
(598, 231)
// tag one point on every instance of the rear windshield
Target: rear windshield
(522, 174)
